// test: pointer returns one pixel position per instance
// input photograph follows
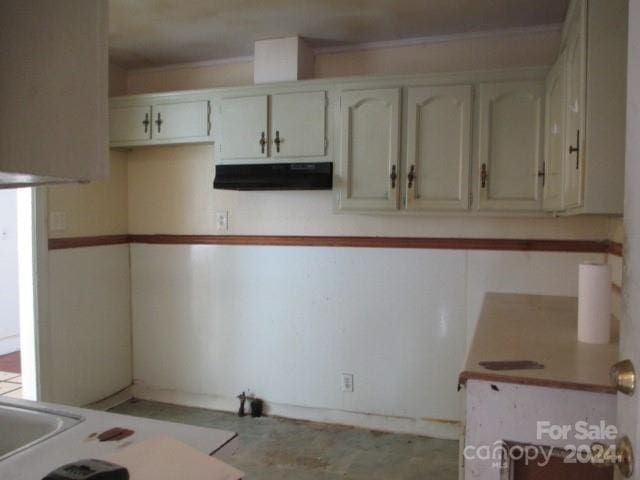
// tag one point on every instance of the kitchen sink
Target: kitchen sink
(22, 427)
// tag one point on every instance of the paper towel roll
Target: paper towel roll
(594, 303)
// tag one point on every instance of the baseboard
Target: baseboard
(112, 401)
(9, 344)
(444, 429)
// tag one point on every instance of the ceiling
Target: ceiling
(147, 33)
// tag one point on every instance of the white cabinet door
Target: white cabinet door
(554, 137)
(298, 124)
(129, 124)
(182, 122)
(54, 113)
(575, 112)
(369, 177)
(510, 145)
(436, 170)
(243, 128)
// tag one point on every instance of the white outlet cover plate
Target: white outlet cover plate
(347, 382)
(222, 220)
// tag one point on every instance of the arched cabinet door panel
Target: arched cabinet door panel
(436, 169)
(510, 144)
(555, 119)
(368, 176)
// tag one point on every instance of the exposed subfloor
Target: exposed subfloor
(276, 448)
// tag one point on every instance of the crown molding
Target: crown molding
(353, 47)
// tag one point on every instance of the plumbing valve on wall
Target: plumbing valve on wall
(256, 405)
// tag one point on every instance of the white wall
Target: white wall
(89, 308)
(285, 322)
(9, 299)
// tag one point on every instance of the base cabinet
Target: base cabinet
(502, 418)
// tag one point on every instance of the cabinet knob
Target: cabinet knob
(411, 176)
(262, 142)
(393, 176)
(483, 175)
(159, 122)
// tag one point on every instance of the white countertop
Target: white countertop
(71, 445)
(543, 329)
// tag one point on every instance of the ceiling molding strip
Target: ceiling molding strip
(403, 42)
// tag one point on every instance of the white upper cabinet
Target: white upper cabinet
(510, 145)
(595, 59)
(161, 119)
(130, 124)
(369, 131)
(243, 128)
(554, 138)
(437, 161)
(574, 106)
(53, 91)
(298, 124)
(184, 121)
(289, 127)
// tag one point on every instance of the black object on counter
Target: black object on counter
(90, 469)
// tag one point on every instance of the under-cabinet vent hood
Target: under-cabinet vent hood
(275, 176)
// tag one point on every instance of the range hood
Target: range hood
(275, 176)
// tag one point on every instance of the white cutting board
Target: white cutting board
(163, 458)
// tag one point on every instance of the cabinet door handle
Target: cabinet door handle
(576, 149)
(262, 142)
(483, 175)
(146, 123)
(159, 122)
(393, 176)
(411, 176)
(278, 141)
(543, 173)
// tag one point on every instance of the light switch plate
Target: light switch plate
(58, 221)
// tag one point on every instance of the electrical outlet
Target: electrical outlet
(58, 221)
(222, 220)
(347, 382)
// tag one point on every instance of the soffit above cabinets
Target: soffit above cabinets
(148, 33)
